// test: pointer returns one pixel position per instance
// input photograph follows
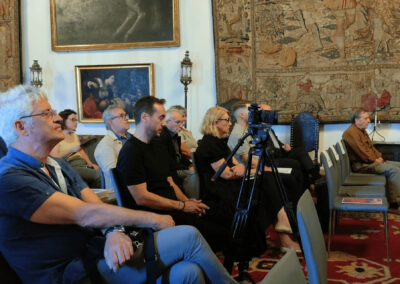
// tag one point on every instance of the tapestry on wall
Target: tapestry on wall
(325, 57)
(9, 44)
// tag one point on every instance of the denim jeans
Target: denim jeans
(183, 255)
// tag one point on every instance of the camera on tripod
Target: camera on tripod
(259, 116)
(260, 121)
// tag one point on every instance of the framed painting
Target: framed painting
(117, 24)
(99, 86)
(10, 66)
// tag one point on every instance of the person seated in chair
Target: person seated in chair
(365, 158)
(170, 138)
(286, 156)
(47, 214)
(146, 171)
(70, 149)
(294, 182)
(222, 193)
(188, 143)
(107, 150)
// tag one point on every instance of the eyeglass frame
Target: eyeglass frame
(225, 119)
(124, 116)
(47, 113)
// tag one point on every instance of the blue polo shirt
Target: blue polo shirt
(39, 253)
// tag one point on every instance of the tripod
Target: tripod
(248, 198)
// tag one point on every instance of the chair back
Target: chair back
(286, 270)
(196, 180)
(331, 177)
(335, 158)
(123, 196)
(304, 132)
(102, 178)
(312, 240)
(201, 183)
(345, 160)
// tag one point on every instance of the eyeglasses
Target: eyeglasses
(225, 119)
(181, 122)
(47, 114)
(122, 115)
(73, 119)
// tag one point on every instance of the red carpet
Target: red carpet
(358, 250)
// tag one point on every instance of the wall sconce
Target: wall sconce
(36, 74)
(186, 74)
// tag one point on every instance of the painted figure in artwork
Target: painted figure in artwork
(344, 12)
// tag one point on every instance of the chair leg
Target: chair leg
(385, 221)
(332, 217)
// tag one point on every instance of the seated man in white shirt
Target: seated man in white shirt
(106, 152)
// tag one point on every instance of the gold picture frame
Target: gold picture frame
(118, 24)
(99, 86)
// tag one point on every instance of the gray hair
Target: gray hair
(107, 115)
(169, 112)
(356, 114)
(14, 103)
(179, 109)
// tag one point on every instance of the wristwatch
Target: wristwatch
(117, 228)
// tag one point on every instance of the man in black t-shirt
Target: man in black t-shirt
(146, 172)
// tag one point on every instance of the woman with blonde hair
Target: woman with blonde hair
(222, 194)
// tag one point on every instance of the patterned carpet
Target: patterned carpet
(358, 250)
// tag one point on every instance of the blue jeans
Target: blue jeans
(184, 256)
(389, 169)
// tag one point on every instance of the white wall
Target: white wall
(196, 36)
(58, 67)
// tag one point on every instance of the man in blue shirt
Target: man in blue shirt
(47, 213)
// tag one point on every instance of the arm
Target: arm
(143, 197)
(106, 156)
(60, 208)
(358, 147)
(178, 192)
(86, 158)
(55, 152)
(228, 172)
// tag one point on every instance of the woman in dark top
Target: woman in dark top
(222, 194)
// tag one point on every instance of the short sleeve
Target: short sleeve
(130, 164)
(21, 193)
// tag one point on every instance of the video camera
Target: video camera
(260, 121)
(258, 116)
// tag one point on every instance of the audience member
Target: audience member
(365, 158)
(47, 212)
(107, 150)
(146, 171)
(293, 182)
(70, 149)
(286, 156)
(223, 193)
(188, 143)
(170, 138)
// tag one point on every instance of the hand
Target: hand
(117, 250)
(238, 170)
(162, 222)
(93, 166)
(195, 206)
(286, 147)
(379, 160)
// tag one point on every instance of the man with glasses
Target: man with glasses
(47, 214)
(169, 137)
(106, 152)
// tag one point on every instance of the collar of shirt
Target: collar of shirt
(121, 138)
(173, 134)
(20, 158)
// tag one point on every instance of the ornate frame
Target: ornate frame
(96, 89)
(81, 31)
